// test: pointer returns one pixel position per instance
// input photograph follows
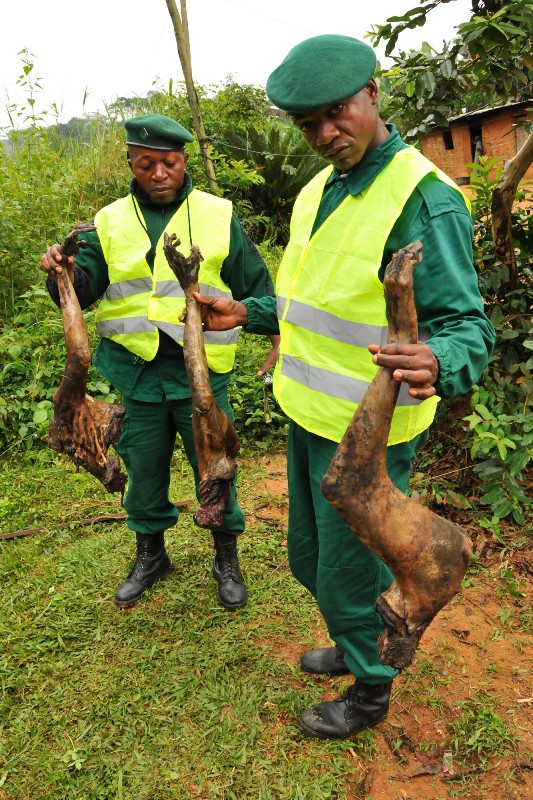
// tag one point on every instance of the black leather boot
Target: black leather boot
(231, 587)
(362, 706)
(152, 564)
(324, 661)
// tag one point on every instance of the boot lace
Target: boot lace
(144, 554)
(227, 563)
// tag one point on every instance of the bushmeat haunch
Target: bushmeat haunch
(82, 427)
(215, 439)
(427, 555)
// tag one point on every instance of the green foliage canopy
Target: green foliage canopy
(489, 61)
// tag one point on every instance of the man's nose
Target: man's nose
(159, 172)
(327, 131)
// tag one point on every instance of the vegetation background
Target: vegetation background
(178, 699)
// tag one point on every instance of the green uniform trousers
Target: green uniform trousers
(341, 573)
(146, 445)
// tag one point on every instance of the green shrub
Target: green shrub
(501, 432)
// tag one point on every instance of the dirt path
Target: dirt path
(469, 691)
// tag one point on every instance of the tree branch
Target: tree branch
(181, 32)
(502, 204)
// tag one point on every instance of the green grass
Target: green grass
(480, 732)
(178, 699)
(175, 698)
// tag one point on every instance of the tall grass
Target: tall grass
(47, 185)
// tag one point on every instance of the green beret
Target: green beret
(321, 71)
(156, 132)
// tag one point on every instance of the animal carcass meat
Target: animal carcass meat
(82, 427)
(215, 439)
(427, 555)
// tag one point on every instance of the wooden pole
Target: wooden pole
(181, 32)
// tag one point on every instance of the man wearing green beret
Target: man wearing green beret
(140, 351)
(376, 196)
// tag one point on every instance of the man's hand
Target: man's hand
(51, 261)
(272, 357)
(219, 314)
(414, 364)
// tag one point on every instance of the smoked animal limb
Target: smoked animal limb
(82, 427)
(215, 439)
(427, 555)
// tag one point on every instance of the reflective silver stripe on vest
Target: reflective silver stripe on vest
(334, 327)
(117, 291)
(210, 337)
(173, 289)
(110, 327)
(333, 384)
(327, 324)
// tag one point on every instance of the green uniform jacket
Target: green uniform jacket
(243, 270)
(447, 297)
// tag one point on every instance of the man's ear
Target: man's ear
(373, 91)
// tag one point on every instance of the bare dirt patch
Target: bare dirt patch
(469, 691)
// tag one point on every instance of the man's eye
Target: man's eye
(336, 109)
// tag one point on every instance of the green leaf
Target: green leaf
(40, 415)
(492, 496)
(483, 410)
(509, 333)
(518, 516)
(518, 462)
(446, 68)
(502, 450)
(503, 508)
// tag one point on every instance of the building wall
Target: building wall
(499, 138)
(452, 162)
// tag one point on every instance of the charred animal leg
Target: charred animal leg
(427, 554)
(215, 439)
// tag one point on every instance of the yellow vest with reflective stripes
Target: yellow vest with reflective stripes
(331, 303)
(138, 302)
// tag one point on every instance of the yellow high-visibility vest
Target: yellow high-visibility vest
(138, 302)
(331, 303)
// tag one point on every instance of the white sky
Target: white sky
(110, 48)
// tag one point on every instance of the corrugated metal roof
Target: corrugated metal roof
(491, 109)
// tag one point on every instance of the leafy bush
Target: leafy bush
(32, 358)
(501, 428)
(503, 445)
(247, 390)
(493, 448)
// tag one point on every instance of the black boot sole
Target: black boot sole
(312, 734)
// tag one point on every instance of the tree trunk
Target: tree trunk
(181, 31)
(501, 207)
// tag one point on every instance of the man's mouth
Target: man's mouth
(335, 152)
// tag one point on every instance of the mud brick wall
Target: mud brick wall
(452, 162)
